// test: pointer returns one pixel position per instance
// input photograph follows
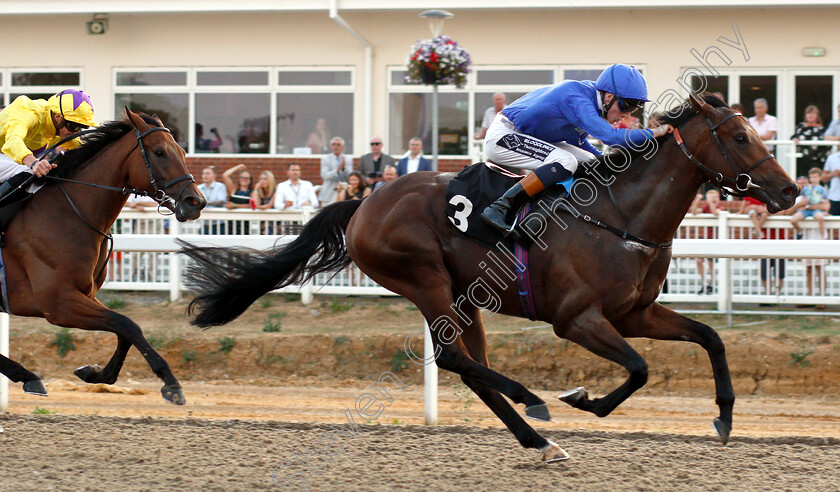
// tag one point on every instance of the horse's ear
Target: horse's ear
(698, 103)
(136, 121)
(160, 122)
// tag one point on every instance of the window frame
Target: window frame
(7, 89)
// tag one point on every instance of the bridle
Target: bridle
(160, 195)
(728, 185)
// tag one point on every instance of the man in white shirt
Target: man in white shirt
(388, 175)
(499, 100)
(294, 193)
(833, 130)
(832, 172)
(763, 123)
(215, 192)
(414, 161)
(335, 167)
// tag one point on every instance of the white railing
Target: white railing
(147, 261)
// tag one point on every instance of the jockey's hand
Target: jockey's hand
(42, 167)
(662, 130)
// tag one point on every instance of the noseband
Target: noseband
(736, 186)
(160, 195)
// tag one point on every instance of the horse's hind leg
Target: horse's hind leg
(475, 341)
(660, 323)
(32, 383)
(595, 333)
(94, 374)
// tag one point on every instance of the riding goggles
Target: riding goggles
(629, 105)
(74, 127)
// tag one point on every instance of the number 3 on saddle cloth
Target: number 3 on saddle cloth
(470, 192)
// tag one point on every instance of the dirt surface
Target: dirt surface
(269, 398)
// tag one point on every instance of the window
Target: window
(816, 90)
(243, 110)
(757, 86)
(36, 84)
(411, 116)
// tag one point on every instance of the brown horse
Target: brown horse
(596, 288)
(56, 248)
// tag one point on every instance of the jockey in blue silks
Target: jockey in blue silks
(545, 131)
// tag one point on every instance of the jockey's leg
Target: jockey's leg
(12, 175)
(552, 164)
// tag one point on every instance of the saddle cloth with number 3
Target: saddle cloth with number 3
(470, 192)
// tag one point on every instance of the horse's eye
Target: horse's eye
(160, 153)
(741, 139)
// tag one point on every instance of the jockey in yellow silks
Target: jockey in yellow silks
(30, 126)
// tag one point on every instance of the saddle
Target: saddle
(479, 185)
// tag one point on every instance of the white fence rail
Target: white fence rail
(144, 257)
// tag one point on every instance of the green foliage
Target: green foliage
(226, 344)
(63, 342)
(43, 411)
(341, 340)
(289, 297)
(339, 307)
(412, 307)
(273, 323)
(266, 301)
(114, 304)
(188, 356)
(160, 342)
(399, 361)
(799, 357)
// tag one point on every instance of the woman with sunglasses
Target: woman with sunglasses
(27, 125)
(239, 193)
(545, 131)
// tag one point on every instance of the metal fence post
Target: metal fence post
(430, 378)
(174, 265)
(306, 291)
(724, 271)
(4, 350)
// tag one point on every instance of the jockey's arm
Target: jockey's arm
(590, 120)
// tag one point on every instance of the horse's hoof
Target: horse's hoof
(723, 429)
(174, 394)
(85, 372)
(538, 412)
(575, 396)
(553, 452)
(35, 387)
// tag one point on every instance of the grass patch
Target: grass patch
(273, 323)
(160, 342)
(64, 342)
(43, 411)
(340, 306)
(226, 344)
(266, 302)
(114, 303)
(291, 297)
(188, 356)
(399, 361)
(800, 358)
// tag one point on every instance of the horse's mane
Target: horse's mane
(92, 143)
(675, 117)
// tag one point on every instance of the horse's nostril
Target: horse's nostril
(790, 190)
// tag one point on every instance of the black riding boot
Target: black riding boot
(10, 191)
(501, 213)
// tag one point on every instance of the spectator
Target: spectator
(294, 193)
(239, 193)
(832, 172)
(207, 144)
(318, 138)
(499, 103)
(214, 192)
(334, 169)
(262, 197)
(763, 123)
(373, 163)
(810, 129)
(758, 214)
(354, 189)
(833, 131)
(388, 175)
(817, 204)
(414, 161)
(140, 203)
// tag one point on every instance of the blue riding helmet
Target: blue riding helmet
(623, 81)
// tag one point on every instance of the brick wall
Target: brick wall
(310, 166)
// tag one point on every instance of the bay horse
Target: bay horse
(594, 287)
(56, 247)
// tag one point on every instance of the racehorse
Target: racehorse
(56, 247)
(596, 288)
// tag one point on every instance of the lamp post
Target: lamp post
(435, 18)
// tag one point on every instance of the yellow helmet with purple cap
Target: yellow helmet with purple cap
(73, 105)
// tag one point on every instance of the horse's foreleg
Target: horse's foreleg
(16, 373)
(595, 333)
(660, 323)
(75, 310)
(94, 374)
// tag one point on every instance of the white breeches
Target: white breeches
(9, 168)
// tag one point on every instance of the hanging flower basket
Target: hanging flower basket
(438, 61)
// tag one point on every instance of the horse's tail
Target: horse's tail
(228, 280)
